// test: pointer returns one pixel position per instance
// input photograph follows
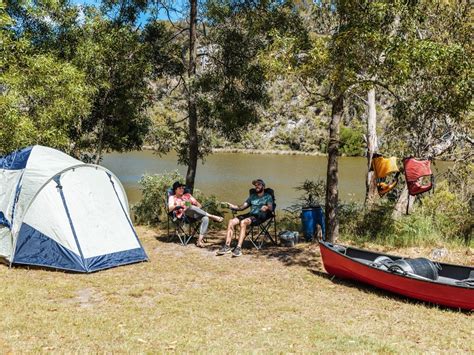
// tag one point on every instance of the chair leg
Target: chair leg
(168, 223)
(254, 239)
(264, 233)
(184, 234)
(180, 234)
(257, 238)
(171, 236)
(275, 231)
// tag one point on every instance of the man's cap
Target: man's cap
(176, 185)
(258, 181)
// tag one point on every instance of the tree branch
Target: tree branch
(311, 93)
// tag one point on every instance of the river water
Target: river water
(228, 175)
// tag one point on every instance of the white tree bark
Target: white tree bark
(372, 147)
(401, 205)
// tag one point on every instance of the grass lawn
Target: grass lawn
(186, 299)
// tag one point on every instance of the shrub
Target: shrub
(314, 192)
(352, 141)
(377, 225)
(443, 217)
(290, 220)
(415, 229)
(449, 213)
(151, 208)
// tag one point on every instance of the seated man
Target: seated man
(261, 205)
(185, 204)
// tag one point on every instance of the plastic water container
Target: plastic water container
(310, 218)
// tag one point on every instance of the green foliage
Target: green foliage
(378, 226)
(151, 208)
(232, 86)
(313, 193)
(164, 134)
(114, 59)
(442, 218)
(432, 76)
(43, 97)
(352, 141)
(290, 220)
(451, 210)
(116, 63)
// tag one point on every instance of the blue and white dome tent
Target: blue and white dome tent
(59, 212)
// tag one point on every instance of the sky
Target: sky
(143, 18)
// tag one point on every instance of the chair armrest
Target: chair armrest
(177, 208)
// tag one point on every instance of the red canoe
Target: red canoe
(422, 279)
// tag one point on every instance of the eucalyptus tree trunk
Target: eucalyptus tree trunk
(372, 147)
(404, 204)
(332, 196)
(193, 147)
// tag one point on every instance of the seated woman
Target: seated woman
(190, 207)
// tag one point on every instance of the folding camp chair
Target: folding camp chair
(185, 228)
(260, 232)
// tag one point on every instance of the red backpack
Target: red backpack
(415, 170)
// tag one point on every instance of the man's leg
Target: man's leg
(230, 230)
(243, 230)
(230, 233)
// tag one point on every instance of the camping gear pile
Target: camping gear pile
(387, 172)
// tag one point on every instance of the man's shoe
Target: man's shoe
(224, 250)
(237, 252)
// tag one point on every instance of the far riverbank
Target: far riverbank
(256, 151)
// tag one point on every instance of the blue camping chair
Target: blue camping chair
(184, 228)
(258, 233)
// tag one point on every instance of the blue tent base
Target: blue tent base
(55, 269)
(35, 248)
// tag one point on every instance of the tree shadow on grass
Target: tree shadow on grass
(213, 240)
(306, 255)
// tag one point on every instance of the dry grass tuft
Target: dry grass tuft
(186, 299)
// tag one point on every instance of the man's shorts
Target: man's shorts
(255, 218)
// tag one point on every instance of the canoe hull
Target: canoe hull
(345, 267)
